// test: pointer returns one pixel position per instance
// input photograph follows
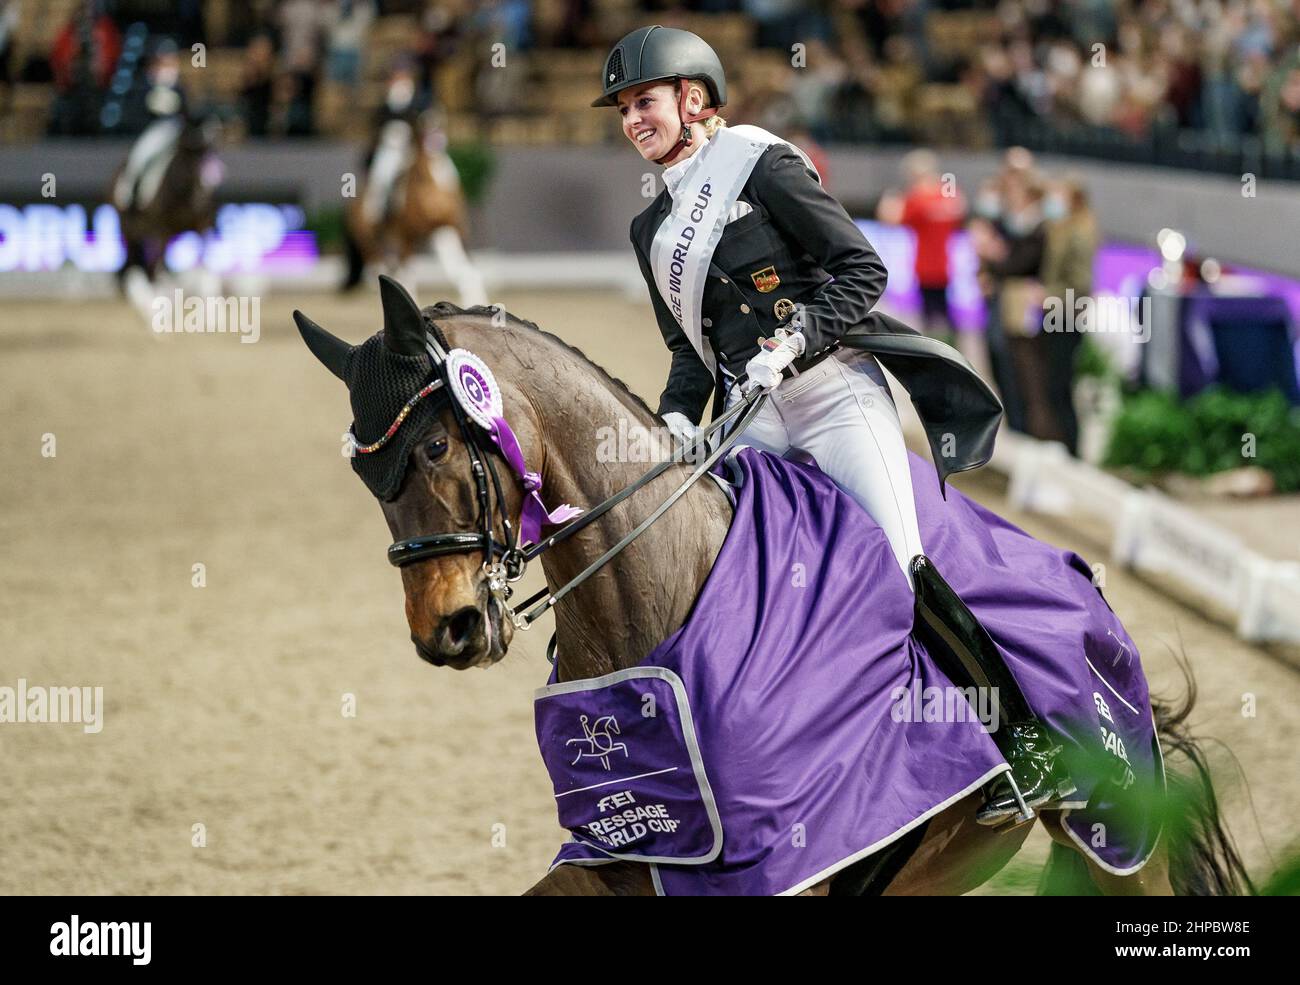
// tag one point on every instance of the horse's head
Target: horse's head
(443, 484)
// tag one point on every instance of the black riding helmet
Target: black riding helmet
(663, 54)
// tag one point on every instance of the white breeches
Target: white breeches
(841, 413)
(392, 158)
(152, 150)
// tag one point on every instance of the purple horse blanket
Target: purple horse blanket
(794, 725)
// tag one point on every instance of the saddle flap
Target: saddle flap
(626, 768)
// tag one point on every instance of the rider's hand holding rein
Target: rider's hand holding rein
(765, 370)
(681, 428)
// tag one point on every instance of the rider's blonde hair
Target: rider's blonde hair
(712, 124)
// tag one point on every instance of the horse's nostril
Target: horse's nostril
(426, 654)
(462, 627)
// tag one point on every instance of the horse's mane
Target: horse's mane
(446, 309)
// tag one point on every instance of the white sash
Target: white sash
(684, 243)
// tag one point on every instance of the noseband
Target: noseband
(505, 562)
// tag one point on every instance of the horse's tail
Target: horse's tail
(1203, 859)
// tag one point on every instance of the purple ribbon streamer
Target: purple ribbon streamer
(534, 514)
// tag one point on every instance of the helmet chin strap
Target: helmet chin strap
(687, 119)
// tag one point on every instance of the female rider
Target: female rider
(792, 266)
(755, 273)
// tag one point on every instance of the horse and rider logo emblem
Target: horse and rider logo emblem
(598, 739)
(766, 279)
(1122, 651)
(783, 308)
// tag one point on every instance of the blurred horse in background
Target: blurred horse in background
(412, 199)
(166, 187)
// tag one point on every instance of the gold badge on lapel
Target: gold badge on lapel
(766, 279)
(783, 308)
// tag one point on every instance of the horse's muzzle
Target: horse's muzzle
(472, 636)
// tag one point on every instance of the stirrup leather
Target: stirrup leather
(965, 652)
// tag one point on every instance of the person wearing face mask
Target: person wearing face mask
(1071, 247)
(1011, 255)
(1020, 293)
(756, 274)
(988, 203)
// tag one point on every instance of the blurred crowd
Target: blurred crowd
(865, 69)
(1226, 67)
(1036, 239)
(819, 71)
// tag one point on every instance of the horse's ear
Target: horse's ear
(329, 349)
(404, 329)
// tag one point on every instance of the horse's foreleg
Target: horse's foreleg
(404, 271)
(612, 879)
(450, 250)
(140, 290)
(134, 259)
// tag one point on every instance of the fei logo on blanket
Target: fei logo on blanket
(628, 784)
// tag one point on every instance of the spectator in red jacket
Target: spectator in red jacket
(71, 55)
(82, 59)
(933, 208)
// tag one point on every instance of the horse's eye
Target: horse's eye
(436, 448)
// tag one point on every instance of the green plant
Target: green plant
(1286, 880)
(1091, 360)
(327, 224)
(476, 163)
(1216, 430)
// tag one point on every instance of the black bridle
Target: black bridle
(504, 562)
(482, 466)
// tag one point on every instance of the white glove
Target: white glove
(764, 370)
(681, 427)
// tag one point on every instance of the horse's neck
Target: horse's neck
(623, 611)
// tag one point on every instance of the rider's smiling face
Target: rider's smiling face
(652, 109)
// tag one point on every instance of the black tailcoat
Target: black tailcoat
(798, 249)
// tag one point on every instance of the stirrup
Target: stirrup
(1026, 812)
(1024, 815)
(1010, 800)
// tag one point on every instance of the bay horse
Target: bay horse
(559, 400)
(428, 209)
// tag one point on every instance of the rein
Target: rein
(504, 563)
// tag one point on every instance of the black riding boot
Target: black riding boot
(965, 652)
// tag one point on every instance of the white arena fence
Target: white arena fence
(1151, 534)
